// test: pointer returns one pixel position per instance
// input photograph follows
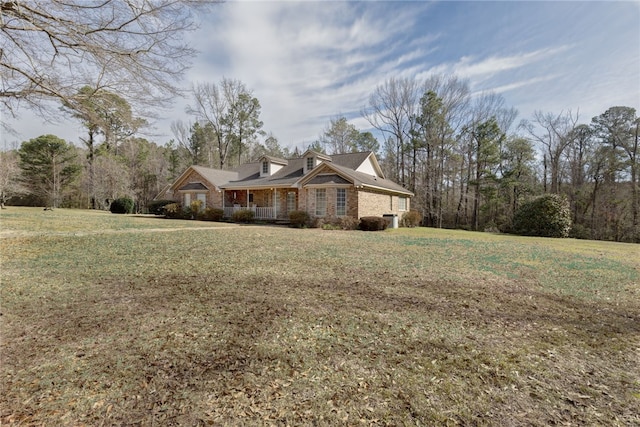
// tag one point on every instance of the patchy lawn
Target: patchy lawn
(105, 324)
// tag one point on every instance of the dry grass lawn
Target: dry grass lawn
(124, 320)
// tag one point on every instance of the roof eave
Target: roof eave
(388, 190)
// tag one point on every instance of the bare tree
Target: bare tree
(50, 48)
(181, 132)
(392, 110)
(339, 136)
(210, 106)
(232, 112)
(553, 133)
(10, 184)
(455, 95)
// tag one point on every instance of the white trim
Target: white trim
(329, 186)
(385, 190)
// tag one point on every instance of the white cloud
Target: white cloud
(478, 68)
(522, 83)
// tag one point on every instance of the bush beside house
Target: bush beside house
(411, 219)
(299, 219)
(336, 223)
(373, 223)
(243, 215)
(211, 214)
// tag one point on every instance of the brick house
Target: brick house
(324, 186)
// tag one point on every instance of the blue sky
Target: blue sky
(310, 61)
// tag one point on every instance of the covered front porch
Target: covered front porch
(266, 204)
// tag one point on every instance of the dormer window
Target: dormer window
(313, 159)
(269, 166)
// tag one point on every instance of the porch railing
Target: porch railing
(259, 211)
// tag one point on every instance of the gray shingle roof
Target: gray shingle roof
(350, 160)
(216, 176)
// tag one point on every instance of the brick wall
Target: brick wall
(307, 201)
(377, 204)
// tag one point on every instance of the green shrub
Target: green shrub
(299, 219)
(211, 214)
(546, 216)
(243, 215)
(317, 222)
(123, 205)
(196, 206)
(373, 223)
(335, 223)
(330, 226)
(411, 219)
(171, 210)
(328, 223)
(157, 207)
(349, 223)
(175, 211)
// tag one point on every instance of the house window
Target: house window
(265, 168)
(309, 163)
(321, 202)
(402, 203)
(291, 201)
(390, 203)
(251, 197)
(341, 202)
(187, 200)
(203, 198)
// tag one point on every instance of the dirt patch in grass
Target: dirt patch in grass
(189, 350)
